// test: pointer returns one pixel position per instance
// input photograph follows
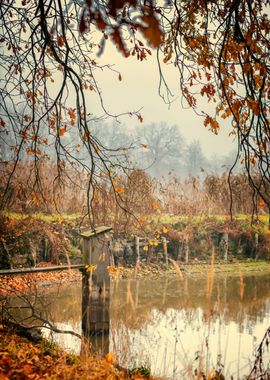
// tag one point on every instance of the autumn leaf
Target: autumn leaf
(86, 136)
(254, 106)
(261, 202)
(60, 41)
(84, 23)
(59, 219)
(214, 125)
(101, 257)
(34, 197)
(119, 190)
(27, 369)
(100, 23)
(110, 359)
(90, 268)
(209, 90)
(154, 206)
(168, 56)
(118, 41)
(151, 32)
(27, 118)
(71, 113)
(62, 130)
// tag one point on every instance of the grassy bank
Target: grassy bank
(199, 269)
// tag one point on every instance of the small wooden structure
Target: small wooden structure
(96, 248)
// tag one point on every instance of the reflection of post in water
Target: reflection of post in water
(96, 288)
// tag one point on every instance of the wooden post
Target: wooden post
(256, 243)
(179, 251)
(137, 249)
(85, 302)
(165, 250)
(96, 290)
(186, 251)
(225, 240)
(149, 253)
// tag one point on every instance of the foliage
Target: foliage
(144, 371)
(32, 240)
(50, 57)
(21, 359)
(211, 195)
(28, 283)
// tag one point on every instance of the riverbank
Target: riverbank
(22, 359)
(27, 283)
(195, 269)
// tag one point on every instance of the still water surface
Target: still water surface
(177, 325)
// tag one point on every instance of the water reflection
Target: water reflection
(178, 327)
(175, 325)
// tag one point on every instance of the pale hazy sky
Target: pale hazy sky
(139, 89)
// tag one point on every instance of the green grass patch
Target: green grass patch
(246, 219)
(49, 218)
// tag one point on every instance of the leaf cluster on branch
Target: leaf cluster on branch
(49, 58)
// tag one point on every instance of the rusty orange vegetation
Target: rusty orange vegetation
(27, 282)
(20, 359)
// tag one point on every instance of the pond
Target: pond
(177, 326)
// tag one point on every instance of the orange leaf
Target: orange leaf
(27, 369)
(86, 136)
(254, 106)
(261, 202)
(27, 118)
(62, 130)
(119, 189)
(152, 31)
(110, 358)
(214, 126)
(71, 113)
(60, 41)
(84, 23)
(154, 206)
(117, 40)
